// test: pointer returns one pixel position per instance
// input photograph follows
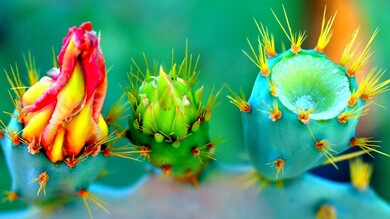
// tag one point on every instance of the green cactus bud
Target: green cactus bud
(173, 121)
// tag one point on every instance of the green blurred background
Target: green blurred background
(217, 30)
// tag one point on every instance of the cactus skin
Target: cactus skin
(169, 124)
(64, 182)
(288, 138)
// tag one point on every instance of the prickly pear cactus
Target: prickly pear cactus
(169, 124)
(53, 142)
(304, 107)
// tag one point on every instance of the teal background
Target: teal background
(217, 30)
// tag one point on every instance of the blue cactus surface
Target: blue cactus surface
(63, 181)
(306, 82)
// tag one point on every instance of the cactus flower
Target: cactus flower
(62, 113)
(57, 124)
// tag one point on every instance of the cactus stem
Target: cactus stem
(274, 113)
(362, 58)
(267, 39)
(42, 180)
(260, 59)
(367, 145)
(279, 164)
(326, 211)
(272, 88)
(10, 196)
(304, 115)
(354, 113)
(347, 54)
(361, 173)
(74, 161)
(369, 86)
(88, 196)
(295, 39)
(326, 32)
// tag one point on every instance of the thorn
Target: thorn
(31, 68)
(117, 111)
(74, 161)
(360, 173)
(167, 169)
(367, 145)
(324, 147)
(304, 116)
(42, 180)
(326, 211)
(362, 58)
(272, 88)
(10, 196)
(353, 99)
(11, 134)
(259, 58)
(279, 164)
(295, 39)
(122, 151)
(274, 113)
(267, 40)
(239, 100)
(326, 32)
(88, 196)
(370, 86)
(347, 54)
(353, 113)
(33, 148)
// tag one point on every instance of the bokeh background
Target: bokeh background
(217, 30)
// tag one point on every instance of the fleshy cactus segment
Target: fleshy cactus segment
(169, 125)
(304, 107)
(59, 110)
(53, 142)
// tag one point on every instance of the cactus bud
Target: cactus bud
(174, 120)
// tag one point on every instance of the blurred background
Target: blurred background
(217, 30)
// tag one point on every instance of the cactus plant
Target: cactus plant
(304, 108)
(169, 121)
(53, 142)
